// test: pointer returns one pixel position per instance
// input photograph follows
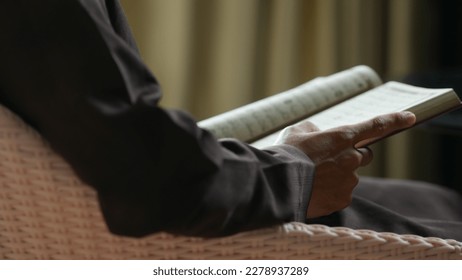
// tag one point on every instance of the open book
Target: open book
(347, 97)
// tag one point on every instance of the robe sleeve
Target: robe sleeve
(71, 70)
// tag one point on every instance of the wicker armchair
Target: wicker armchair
(47, 213)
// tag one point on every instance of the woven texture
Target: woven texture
(47, 213)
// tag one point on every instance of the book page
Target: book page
(260, 118)
(387, 98)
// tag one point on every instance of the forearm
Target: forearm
(198, 186)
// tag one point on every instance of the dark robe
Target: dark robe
(402, 206)
(70, 68)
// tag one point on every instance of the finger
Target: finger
(352, 159)
(381, 126)
(366, 154)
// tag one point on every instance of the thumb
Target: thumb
(381, 126)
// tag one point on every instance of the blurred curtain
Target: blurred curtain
(214, 55)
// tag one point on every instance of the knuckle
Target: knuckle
(400, 117)
(342, 203)
(351, 181)
(346, 135)
(347, 202)
(367, 156)
(354, 181)
(350, 160)
(289, 129)
(346, 198)
(356, 159)
(380, 124)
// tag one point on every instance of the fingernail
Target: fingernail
(408, 116)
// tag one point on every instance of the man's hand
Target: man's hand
(336, 156)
